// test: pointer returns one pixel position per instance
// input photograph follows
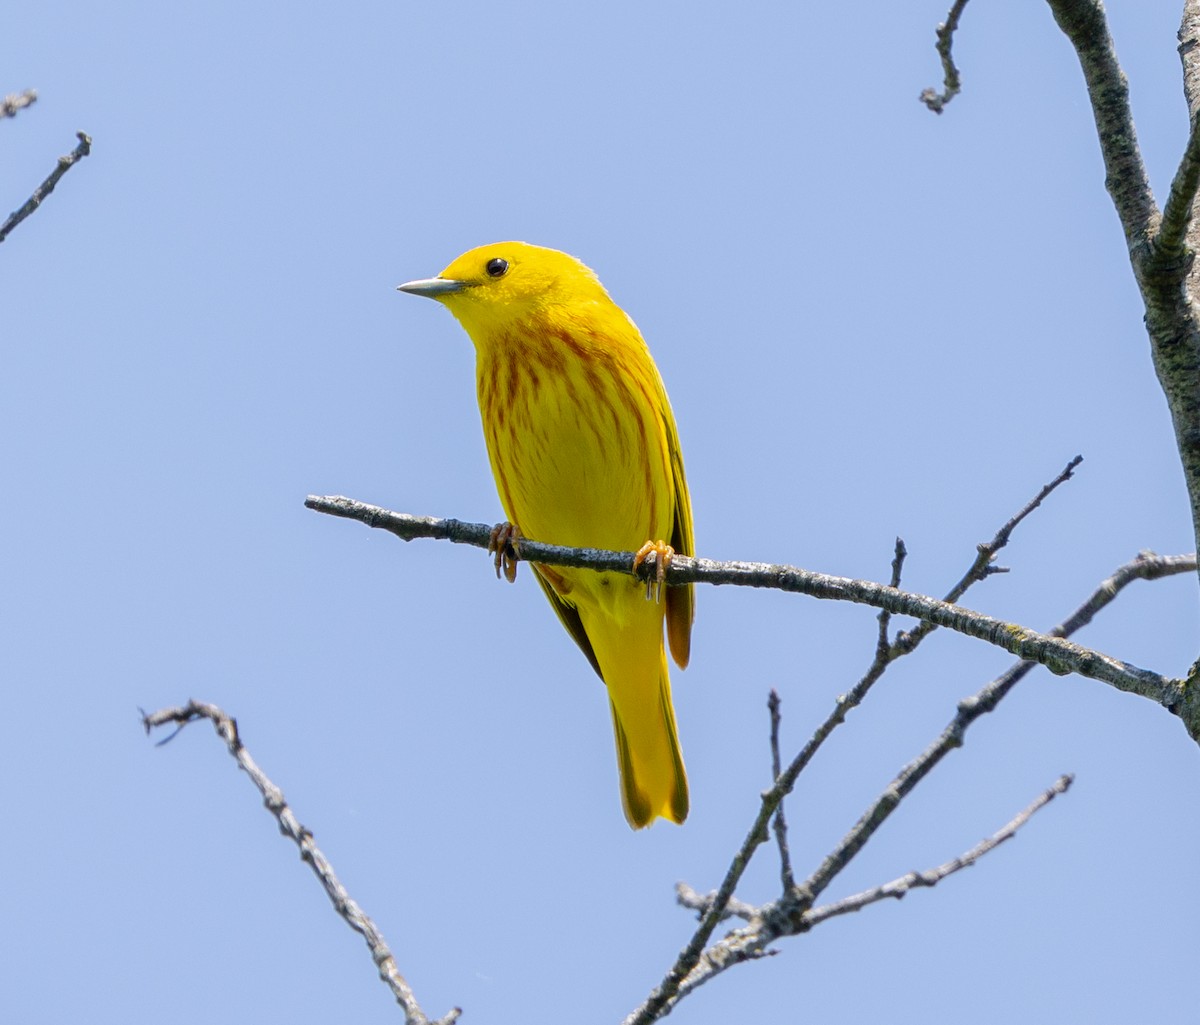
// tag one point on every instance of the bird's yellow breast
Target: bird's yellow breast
(572, 418)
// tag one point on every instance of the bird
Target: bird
(585, 452)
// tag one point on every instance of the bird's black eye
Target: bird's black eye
(496, 267)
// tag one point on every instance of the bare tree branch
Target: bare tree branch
(952, 83)
(1146, 566)
(1176, 340)
(1058, 655)
(687, 897)
(883, 646)
(42, 191)
(290, 826)
(1162, 264)
(789, 914)
(785, 855)
(983, 566)
(14, 102)
(798, 899)
(1170, 245)
(1181, 203)
(1084, 23)
(898, 888)
(887, 652)
(751, 942)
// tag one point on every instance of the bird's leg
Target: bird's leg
(663, 554)
(502, 543)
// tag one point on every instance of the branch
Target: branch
(934, 100)
(785, 855)
(1146, 566)
(14, 102)
(1162, 262)
(686, 897)
(752, 941)
(1181, 202)
(1173, 319)
(791, 914)
(1170, 246)
(983, 566)
(721, 903)
(42, 191)
(887, 652)
(1059, 656)
(345, 906)
(1084, 23)
(898, 888)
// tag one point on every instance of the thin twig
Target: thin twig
(686, 897)
(985, 555)
(897, 888)
(42, 191)
(290, 826)
(886, 653)
(883, 645)
(986, 552)
(14, 102)
(934, 100)
(1060, 656)
(785, 858)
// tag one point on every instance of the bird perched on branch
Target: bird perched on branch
(585, 453)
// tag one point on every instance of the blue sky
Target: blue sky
(871, 321)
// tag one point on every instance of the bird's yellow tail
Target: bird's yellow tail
(653, 781)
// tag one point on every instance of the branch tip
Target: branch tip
(14, 102)
(952, 81)
(65, 163)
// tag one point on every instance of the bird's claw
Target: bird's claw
(502, 543)
(663, 554)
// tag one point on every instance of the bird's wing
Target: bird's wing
(681, 601)
(569, 617)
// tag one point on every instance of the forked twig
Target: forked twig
(985, 556)
(898, 888)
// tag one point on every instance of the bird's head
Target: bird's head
(500, 285)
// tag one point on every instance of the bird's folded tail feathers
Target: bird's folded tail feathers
(653, 781)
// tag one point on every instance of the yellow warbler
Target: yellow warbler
(584, 450)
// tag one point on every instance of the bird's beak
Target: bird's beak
(432, 288)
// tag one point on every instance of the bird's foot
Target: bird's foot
(503, 543)
(663, 554)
